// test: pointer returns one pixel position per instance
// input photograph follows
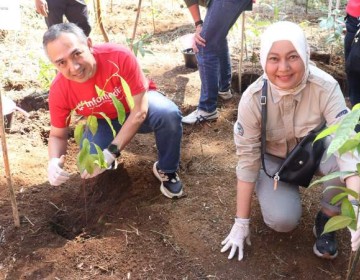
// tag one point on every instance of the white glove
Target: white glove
(108, 157)
(56, 173)
(239, 232)
(355, 234)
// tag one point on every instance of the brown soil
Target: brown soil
(119, 226)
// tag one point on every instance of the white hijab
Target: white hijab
(280, 31)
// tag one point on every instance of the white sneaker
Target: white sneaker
(225, 95)
(199, 116)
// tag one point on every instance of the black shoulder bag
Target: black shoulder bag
(301, 163)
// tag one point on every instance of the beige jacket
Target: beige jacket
(289, 118)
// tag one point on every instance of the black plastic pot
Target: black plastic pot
(7, 122)
(190, 58)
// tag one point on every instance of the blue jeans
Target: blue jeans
(163, 118)
(214, 59)
(352, 25)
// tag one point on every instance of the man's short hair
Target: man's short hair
(56, 30)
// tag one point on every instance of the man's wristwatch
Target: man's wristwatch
(112, 148)
(199, 22)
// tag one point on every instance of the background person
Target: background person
(76, 11)
(212, 53)
(352, 21)
(300, 97)
(83, 68)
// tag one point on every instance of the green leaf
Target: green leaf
(92, 123)
(356, 107)
(327, 131)
(83, 157)
(349, 145)
(338, 197)
(79, 132)
(336, 223)
(109, 123)
(347, 209)
(126, 88)
(344, 189)
(85, 149)
(100, 92)
(89, 163)
(100, 161)
(330, 177)
(358, 168)
(345, 129)
(353, 225)
(120, 109)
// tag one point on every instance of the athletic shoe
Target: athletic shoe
(199, 116)
(225, 95)
(325, 245)
(171, 185)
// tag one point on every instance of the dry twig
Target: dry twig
(29, 220)
(162, 234)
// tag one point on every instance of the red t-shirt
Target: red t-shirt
(66, 95)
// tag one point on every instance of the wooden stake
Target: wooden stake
(100, 21)
(7, 169)
(135, 25)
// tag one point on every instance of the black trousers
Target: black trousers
(352, 26)
(74, 10)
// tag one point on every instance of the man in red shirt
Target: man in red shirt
(85, 69)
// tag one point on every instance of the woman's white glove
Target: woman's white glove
(235, 240)
(355, 234)
(108, 157)
(56, 174)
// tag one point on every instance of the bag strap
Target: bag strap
(356, 37)
(263, 101)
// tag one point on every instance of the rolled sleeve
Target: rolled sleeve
(247, 137)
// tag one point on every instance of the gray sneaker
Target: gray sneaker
(226, 95)
(199, 116)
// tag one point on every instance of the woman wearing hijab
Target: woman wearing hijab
(300, 97)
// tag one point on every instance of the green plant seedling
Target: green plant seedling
(86, 160)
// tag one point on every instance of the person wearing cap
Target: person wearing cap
(300, 97)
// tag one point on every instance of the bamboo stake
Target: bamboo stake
(135, 25)
(242, 49)
(7, 169)
(100, 22)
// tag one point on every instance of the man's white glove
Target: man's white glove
(235, 240)
(355, 234)
(56, 174)
(108, 157)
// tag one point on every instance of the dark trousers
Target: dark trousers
(75, 11)
(353, 78)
